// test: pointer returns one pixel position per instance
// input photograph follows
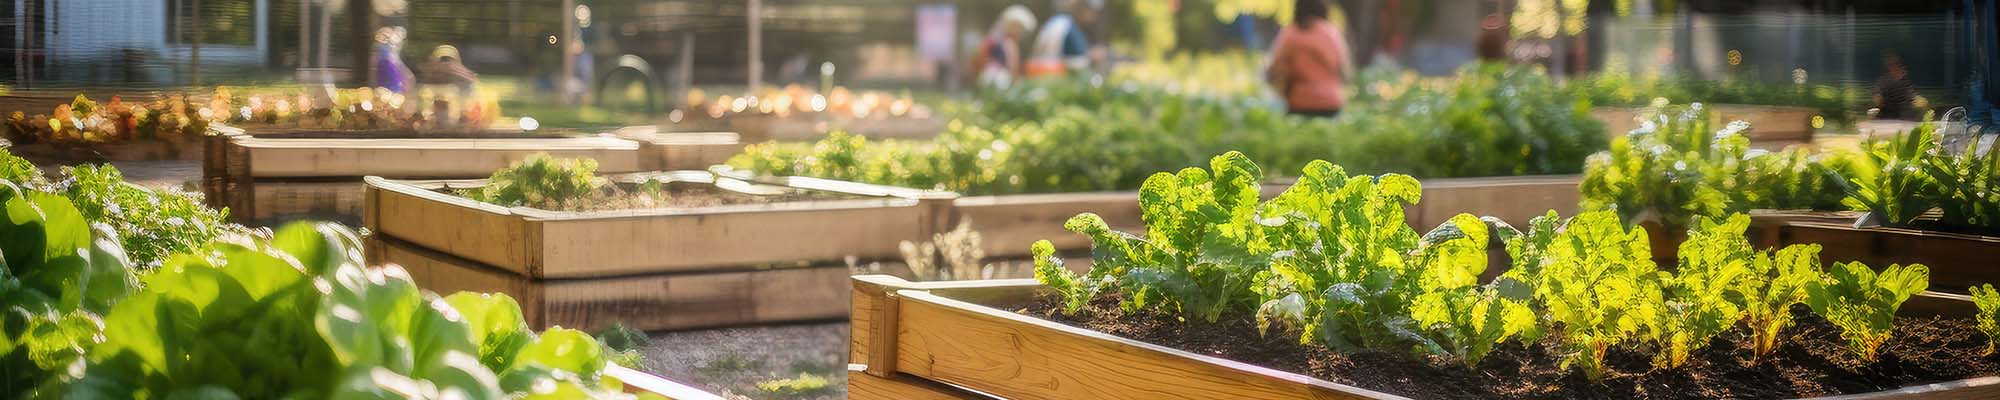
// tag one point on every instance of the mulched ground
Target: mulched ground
(732, 361)
(1811, 361)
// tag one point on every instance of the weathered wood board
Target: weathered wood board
(1768, 124)
(670, 151)
(1956, 261)
(704, 299)
(551, 244)
(423, 158)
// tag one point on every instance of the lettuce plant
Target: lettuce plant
(1668, 171)
(1344, 269)
(58, 275)
(1201, 249)
(1462, 319)
(301, 311)
(1863, 303)
(1776, 283)
(154, 223)
(541, 181)
(1595, 282)
(1988, 318)
(1707, 293)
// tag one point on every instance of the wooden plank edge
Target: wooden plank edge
(641, 382)
(861, 385)
(1973, 388)
(1076, 333)
(1986, 387)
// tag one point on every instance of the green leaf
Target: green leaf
(567, 350)
(489, 315)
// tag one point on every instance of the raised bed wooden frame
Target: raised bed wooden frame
(555, 244)
(649, 302)
(933, 338)
(1956, 261)
(1769, 124)
(266, 174)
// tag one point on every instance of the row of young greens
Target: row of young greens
(1332, 260)
(152, 223)
(1068, 136)
(80, 319)
(1838, 104)
(540, 181)
(1674, 170)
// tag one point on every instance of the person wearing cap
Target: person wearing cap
(445, 69)
(999, 56)
(1062, 46)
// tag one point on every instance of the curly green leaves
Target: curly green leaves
(1988, 318)
(1863, 303)
(1596, 279)
(1777, 283)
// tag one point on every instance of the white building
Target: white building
(132, 41)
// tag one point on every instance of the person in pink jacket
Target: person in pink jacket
(1309, 62)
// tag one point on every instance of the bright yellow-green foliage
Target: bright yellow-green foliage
(1458, 316)
(1776, 283)
(1707, 293)
(1674, 170)
(153, 223)
(1892, 183)
(1969, 186)
(1988, 319)
(1333, 260)
(1346, 270)
(1863, 302)
(541, 181)
(1597, 280)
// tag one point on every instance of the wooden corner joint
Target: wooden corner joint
(875, 296)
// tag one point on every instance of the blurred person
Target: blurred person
(1062, 46)
(1895, 96)
(999, 55)
(390, 72)
(1309, 62)
(446, 69)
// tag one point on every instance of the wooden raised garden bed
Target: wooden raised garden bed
(648, 302)
(655, 268)
(1772, 125)
(560, 244)
(1957, 261)
(911, 336)
(274, 175)
(1008, 224)
(762, 128)
(671, 151)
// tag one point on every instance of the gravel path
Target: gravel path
(734, 362)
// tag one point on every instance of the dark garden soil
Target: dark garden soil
(1811, 361)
